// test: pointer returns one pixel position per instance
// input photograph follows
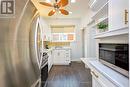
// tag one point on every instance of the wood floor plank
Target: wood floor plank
(74, 75)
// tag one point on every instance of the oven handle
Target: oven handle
(44, 65)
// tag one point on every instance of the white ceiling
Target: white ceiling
(78, 9)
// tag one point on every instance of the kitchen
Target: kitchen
(64, 51)
(65, 43)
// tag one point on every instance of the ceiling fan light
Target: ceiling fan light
(73, 1)
(53, 10)
(70, 12)
(60, 12)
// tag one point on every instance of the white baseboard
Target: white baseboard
(63, 63)
(76, 60)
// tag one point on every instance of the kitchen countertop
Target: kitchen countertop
(59, 48)
(115, 77)
(48, 50)
(55, 48)
(86, 61)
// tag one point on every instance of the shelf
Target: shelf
(91, 3)
(91, 22)
(102, 20)
(95, 5)
(103, 11)
(112, 33)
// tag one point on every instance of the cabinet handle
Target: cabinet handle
(126, 16)
(94, 74)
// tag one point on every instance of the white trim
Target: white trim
(76, 60)
(63, 63)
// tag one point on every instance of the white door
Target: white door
(117, 14)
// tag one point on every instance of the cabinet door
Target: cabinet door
(56, 56)
(95, 82)
(117, 14)
(59, 56)
(62, 56)
(67, 56)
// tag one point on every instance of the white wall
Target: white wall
(77, 45)
(87, 18)
(90, 42)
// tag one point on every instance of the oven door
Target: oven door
(44, 74)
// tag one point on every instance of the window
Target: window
(63, 33)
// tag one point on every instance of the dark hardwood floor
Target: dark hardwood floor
(74, 75)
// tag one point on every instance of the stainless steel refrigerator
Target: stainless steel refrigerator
(18, 59)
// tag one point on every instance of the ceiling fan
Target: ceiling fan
(58, 7)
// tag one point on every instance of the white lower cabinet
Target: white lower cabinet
(61, 56)
(50, 60)
(98, 80)
(95, 82)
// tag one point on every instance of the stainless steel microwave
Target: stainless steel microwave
(115, 56)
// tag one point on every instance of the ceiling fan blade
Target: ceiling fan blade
(52, 12)
(63, 3)
(46, 4)
(65, 12)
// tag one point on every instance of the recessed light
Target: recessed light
(73, 1)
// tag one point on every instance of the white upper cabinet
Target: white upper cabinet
(63, 33)
(63, 37)
(113, 13)
(46, 30)
(117, 16)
